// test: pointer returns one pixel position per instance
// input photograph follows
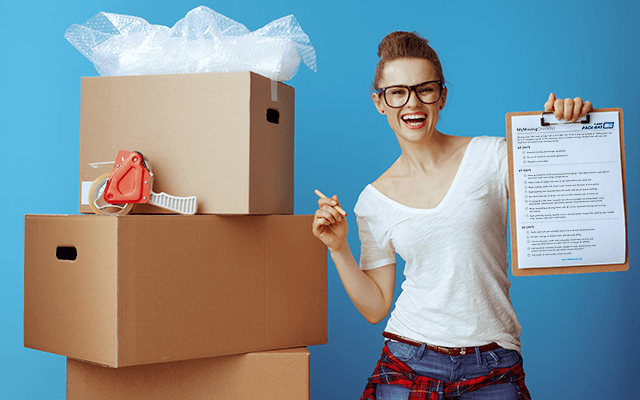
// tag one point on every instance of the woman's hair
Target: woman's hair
(405, 45)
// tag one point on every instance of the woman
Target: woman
(442, 206)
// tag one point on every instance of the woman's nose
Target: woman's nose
(413, 98)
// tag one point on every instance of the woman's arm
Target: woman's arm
(370, 291)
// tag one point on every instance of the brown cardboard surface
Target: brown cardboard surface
(277, 375)
(205, 135)
(156, 288)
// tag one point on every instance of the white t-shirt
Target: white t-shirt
(456, 291)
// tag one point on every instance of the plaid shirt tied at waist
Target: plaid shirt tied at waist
(393, 371)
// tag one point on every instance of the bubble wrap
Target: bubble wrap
(203, 41)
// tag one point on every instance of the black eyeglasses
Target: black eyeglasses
(397, 96)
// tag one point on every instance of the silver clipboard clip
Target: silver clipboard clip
(584, 120)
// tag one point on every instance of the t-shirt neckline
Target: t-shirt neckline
(443, 202)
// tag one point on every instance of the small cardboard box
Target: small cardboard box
(276, 375)
(227, 138)
(142, 289)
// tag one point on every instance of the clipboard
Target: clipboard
(545, 128)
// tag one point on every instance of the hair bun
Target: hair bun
(394, 43)
(401, 44)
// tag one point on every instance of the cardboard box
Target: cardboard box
(227, 138)
(142, 289)
(278, 375)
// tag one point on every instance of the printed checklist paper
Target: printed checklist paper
(569, 200)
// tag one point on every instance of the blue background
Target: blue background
(580, 332)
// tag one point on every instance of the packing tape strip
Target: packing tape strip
(274, 90)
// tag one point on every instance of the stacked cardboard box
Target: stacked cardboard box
(281, 375)
(226, 138)
(170, 306)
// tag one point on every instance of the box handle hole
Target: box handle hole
(66, 253)
(273, 116)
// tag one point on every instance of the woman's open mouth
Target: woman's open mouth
(415, 120)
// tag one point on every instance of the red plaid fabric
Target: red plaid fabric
(391, 370)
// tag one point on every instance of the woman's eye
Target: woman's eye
(397, 92)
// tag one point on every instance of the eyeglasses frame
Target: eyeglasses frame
(411, 89)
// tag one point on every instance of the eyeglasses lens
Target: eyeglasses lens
(398, 96)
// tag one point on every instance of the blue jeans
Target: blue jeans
(453, 368)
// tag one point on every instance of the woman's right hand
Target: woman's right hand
(329, 225)
(568, 109)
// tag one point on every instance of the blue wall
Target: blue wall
(580, 331)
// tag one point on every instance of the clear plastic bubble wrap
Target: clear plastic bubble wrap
(203, 41)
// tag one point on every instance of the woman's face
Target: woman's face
(415, 120)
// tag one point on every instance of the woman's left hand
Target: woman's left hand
(569, 110)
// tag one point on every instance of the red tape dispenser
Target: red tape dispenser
(130, 182)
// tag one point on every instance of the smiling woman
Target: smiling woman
(441, 206)
(408, 110)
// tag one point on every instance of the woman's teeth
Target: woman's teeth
(414, 119)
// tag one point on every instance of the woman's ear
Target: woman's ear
(443, 98)
(378, 103)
